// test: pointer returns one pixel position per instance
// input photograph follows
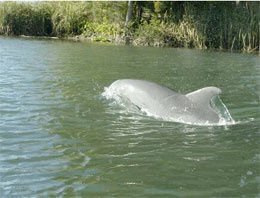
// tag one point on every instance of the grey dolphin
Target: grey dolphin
(162, 102)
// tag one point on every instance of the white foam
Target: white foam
(222, 122)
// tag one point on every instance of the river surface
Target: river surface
(59, 137)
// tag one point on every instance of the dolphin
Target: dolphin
(162, 102)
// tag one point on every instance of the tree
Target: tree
(129, 12)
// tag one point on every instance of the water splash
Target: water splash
(222, 111)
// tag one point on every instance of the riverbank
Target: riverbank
(113, 43)
(203, 25)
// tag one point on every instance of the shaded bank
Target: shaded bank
(221, 25)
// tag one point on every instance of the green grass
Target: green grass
(221, 25)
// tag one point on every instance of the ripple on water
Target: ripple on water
(59, 138)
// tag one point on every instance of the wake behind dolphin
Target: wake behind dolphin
(161, 102)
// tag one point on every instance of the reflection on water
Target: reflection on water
(59, 138)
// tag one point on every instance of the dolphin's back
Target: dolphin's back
(160, 101)
(155, 98)
(143, 88)
(155, 89)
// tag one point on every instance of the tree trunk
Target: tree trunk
(139, 12)
(129, 12)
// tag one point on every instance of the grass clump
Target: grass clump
(68, 19)
(159, 33)
(25, 19)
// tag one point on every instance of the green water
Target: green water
(60, 138)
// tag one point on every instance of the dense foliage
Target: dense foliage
(224, 25)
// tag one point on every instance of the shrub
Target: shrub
(103, 32)
(157, 33)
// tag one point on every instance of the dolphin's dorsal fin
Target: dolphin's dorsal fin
(204, 95)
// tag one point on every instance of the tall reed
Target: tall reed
(69, 18)
(25, 18)
(228, 25)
